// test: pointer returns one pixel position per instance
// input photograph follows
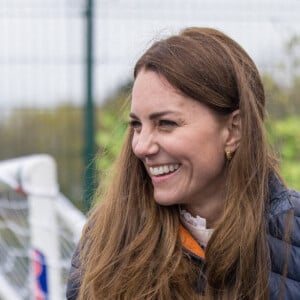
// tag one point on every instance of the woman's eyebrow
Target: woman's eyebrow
(133, 116)
(155, 115)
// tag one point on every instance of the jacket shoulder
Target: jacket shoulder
(284, 214)
(284, 244)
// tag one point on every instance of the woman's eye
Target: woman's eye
(135, 124)
(167, 123)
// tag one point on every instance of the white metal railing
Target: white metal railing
(39, 229)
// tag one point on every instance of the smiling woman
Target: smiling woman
(196, 207)
(164, 122)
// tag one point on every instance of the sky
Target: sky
(43, 41)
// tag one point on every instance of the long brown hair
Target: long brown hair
(131, 246)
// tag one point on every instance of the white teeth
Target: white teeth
(156, 171)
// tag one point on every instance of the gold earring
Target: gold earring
(228, 155)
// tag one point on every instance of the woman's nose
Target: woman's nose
(144, 144)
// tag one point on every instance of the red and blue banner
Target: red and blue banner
(40, 276)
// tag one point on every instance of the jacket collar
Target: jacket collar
(189, 243)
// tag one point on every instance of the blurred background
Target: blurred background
(66, 71)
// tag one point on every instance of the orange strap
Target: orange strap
(190, 243)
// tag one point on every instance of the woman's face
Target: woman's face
(180, 141)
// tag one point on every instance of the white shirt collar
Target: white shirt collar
(196, 226)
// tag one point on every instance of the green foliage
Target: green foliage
(109, 138)
(113, 122)
(283, 106)
(285, 135)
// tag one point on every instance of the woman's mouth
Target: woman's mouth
(163, 169)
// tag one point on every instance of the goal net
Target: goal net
(39, 229)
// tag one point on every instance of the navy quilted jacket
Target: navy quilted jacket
(282, 203)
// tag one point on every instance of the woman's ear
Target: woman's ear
(234, 126)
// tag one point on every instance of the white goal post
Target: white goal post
(39, 229)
